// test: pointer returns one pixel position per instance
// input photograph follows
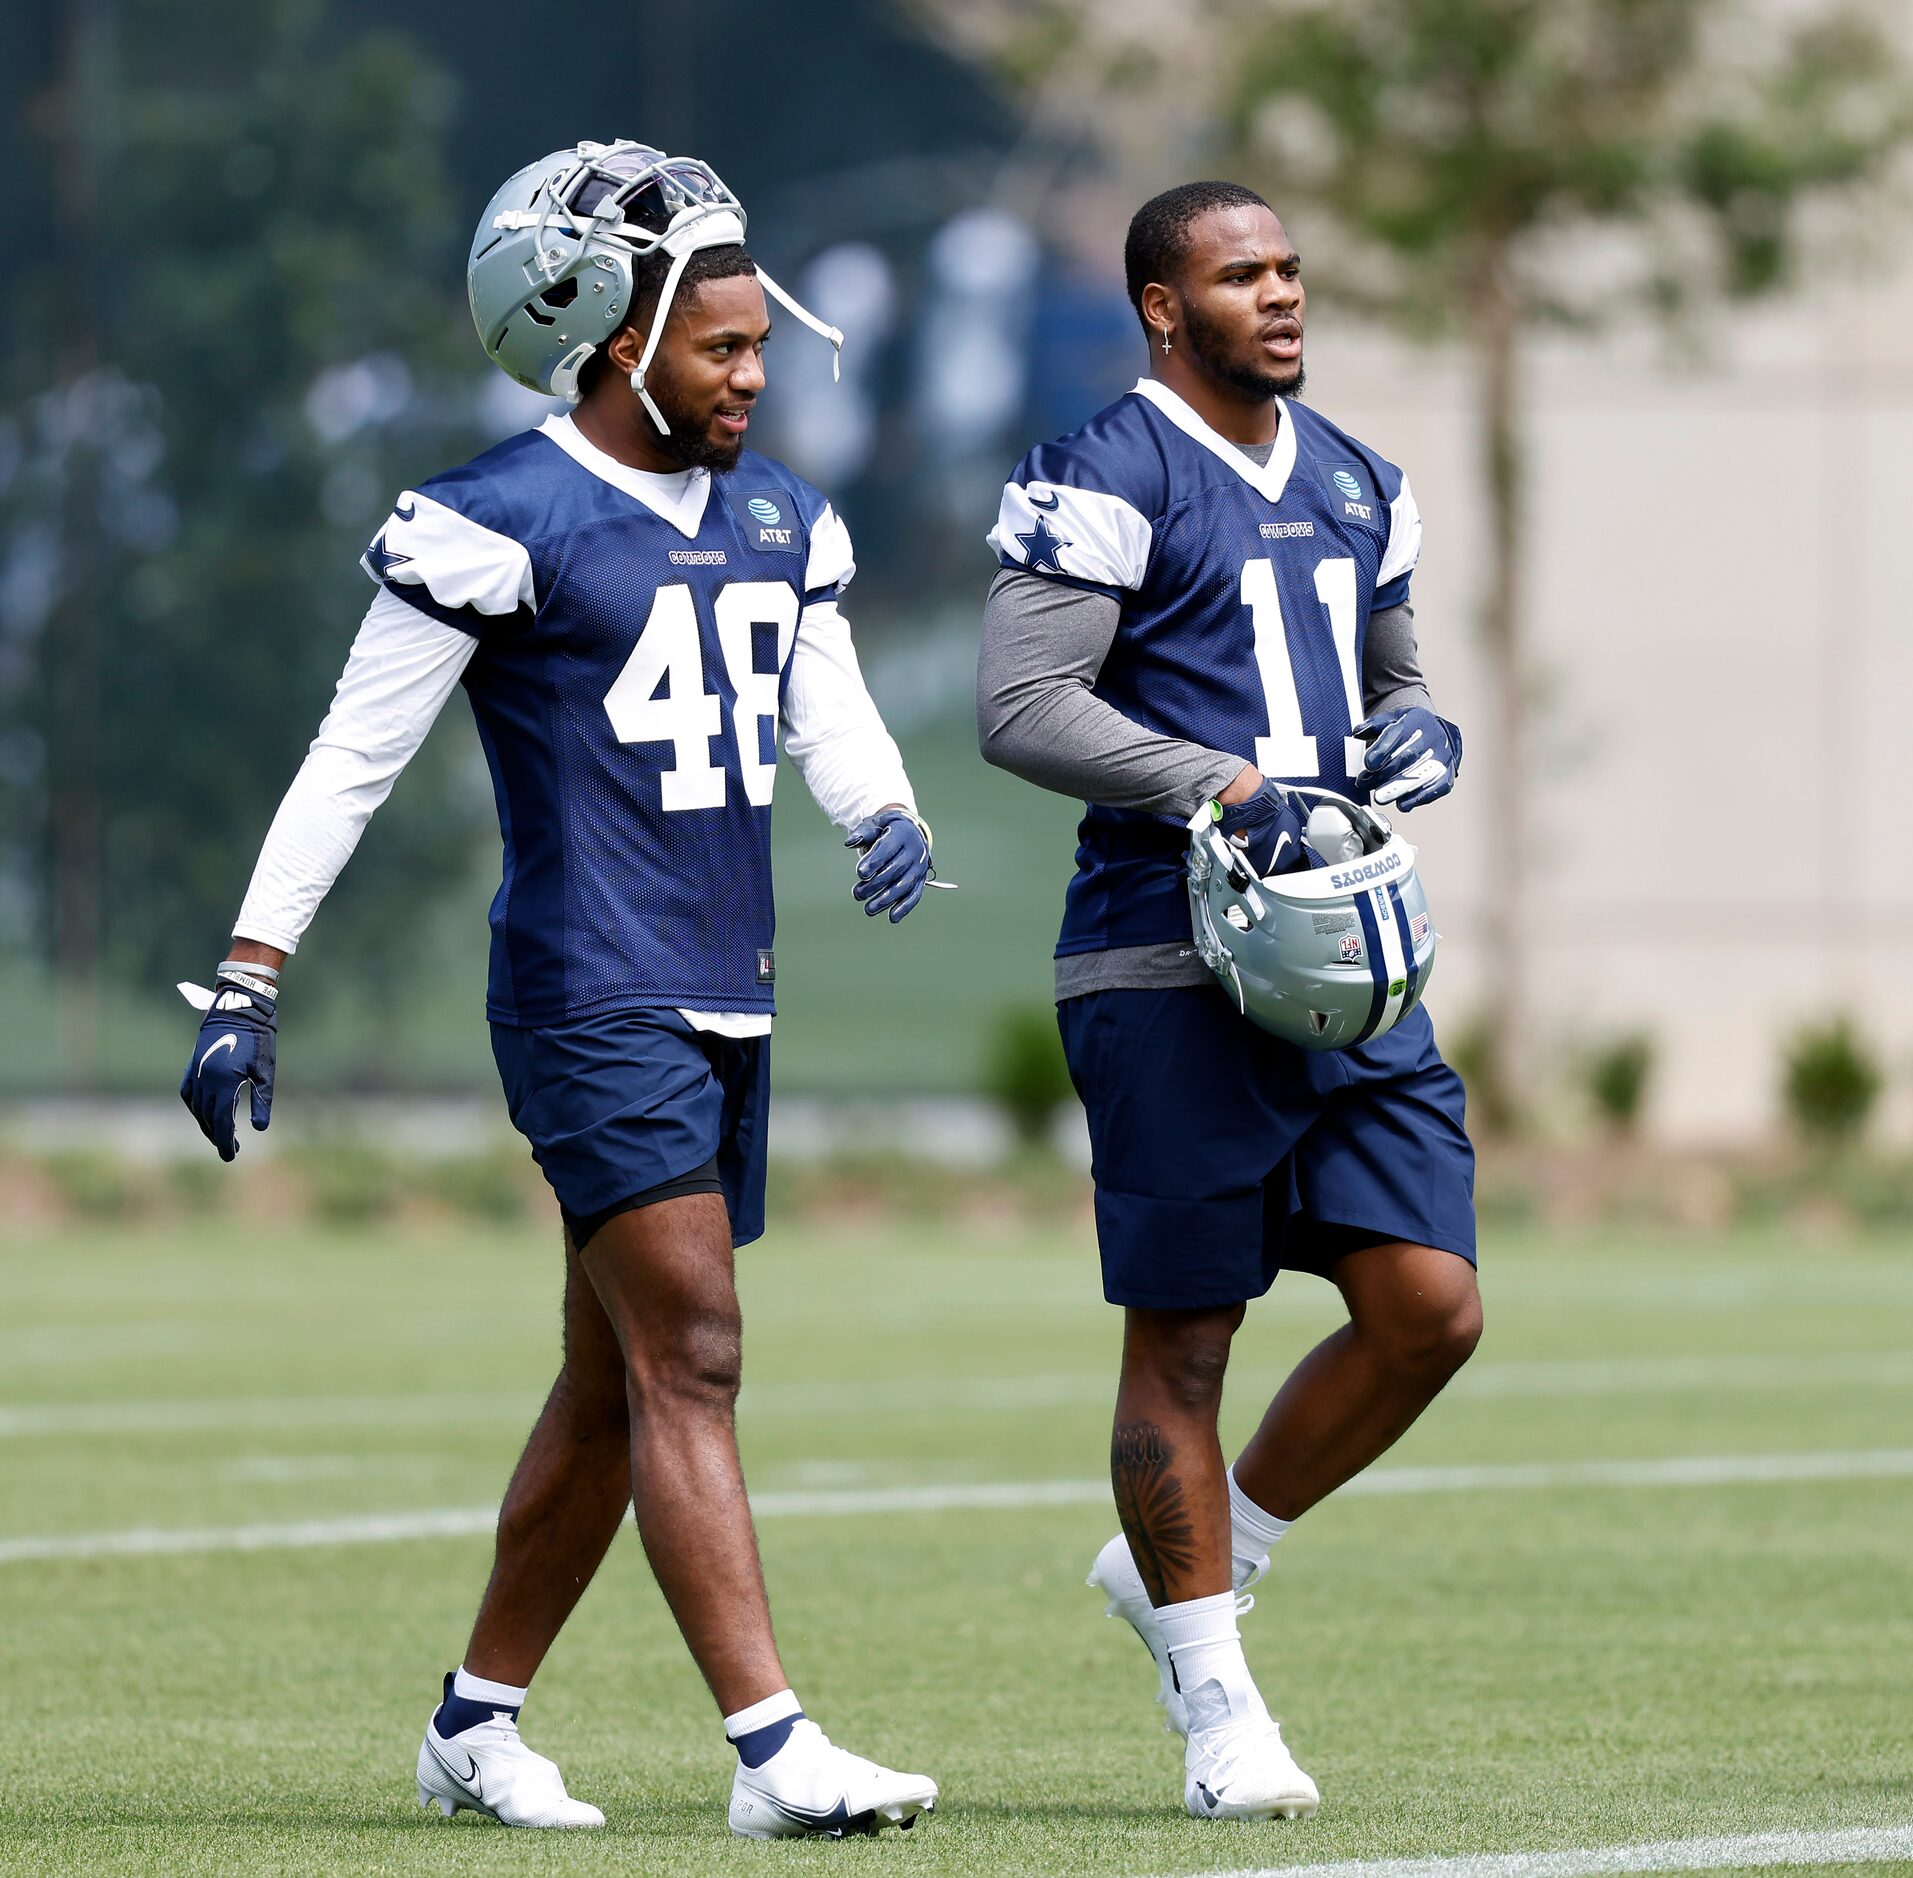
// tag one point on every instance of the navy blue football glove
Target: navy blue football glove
(1413, 756)
(1268, 829)
(896, 863)
(232, 1054)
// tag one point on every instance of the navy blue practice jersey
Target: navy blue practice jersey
(1245, 591)
(634, 635)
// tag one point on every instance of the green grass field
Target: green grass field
(1509, 1659)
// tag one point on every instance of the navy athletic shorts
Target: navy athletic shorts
(617, 1105)
(1222, 1155)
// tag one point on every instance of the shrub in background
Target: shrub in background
(1023, 1070)
(348, 1184)
(1831, 1082)
(90, 1184)
(1470, 1055)
(491, 1186)
(1617, 1078)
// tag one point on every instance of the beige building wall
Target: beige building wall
(1722, 592)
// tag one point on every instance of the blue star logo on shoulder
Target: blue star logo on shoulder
(381, 560)
(1041, 547)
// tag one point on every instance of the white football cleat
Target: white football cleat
(1115, 1575)
(810, 1789)
(489, 1770)
(1244, 1770)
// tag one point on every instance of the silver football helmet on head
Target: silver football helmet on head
(1324, 957)
(550, 272)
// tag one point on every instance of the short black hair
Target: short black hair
(647, 281)
(1157, 244)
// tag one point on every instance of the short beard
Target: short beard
(690, 440)
(1210, 345)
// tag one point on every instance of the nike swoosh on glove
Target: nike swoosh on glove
(234, 1052)
(1413, 756)
(895, 865)
(1268, 829)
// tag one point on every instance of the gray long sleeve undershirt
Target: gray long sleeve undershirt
(1038, 716)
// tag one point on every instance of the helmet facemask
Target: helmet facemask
(613, 205)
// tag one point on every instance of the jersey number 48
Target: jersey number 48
(659, 696)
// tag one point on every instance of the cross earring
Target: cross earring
(1165, 344)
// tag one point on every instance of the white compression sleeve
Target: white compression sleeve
(403, 667)
(832, 729)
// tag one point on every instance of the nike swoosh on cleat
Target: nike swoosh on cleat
(1206, 1797)
(230, 1041)
(470, 1780)
(838, 1821)
(1054, 501)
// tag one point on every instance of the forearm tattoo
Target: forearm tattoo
(1162, 1536)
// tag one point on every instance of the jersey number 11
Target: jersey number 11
(1288, 752)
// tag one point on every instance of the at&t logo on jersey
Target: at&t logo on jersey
(1344, 482)
(766, 524)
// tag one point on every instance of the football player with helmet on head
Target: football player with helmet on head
(1201, 627)
(635, 604)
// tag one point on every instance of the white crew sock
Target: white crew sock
(1252, 1534)
(1206, 1649)
(470, 1688)
(774, 1708)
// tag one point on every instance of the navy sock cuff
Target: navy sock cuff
(455, 1714)
(755, 1748)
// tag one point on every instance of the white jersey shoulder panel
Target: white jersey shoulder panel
(1404, 537)
(459, 563)
(831, 561)
(1081, 534)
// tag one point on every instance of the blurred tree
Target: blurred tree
(1618, 1073)
(242, 324)
(1024, 1072)
(1830, 1081)
(1489, 168)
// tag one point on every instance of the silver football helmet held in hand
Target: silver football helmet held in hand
(1330, 955)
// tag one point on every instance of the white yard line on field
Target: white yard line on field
(46, 1344)
(460, 1521)
(21, 1420)
(937, 1395)
(1857, 1846)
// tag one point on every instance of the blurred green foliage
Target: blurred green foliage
(89, 1184)
(1830, 1083)
(1491, 1105)
(1024, 1073)
(247, 337)
(1618, 1073)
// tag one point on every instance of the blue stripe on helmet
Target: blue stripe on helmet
(1377, 965)
(1408, 947)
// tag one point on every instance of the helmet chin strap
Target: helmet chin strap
(822, 330)
(703, 228)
